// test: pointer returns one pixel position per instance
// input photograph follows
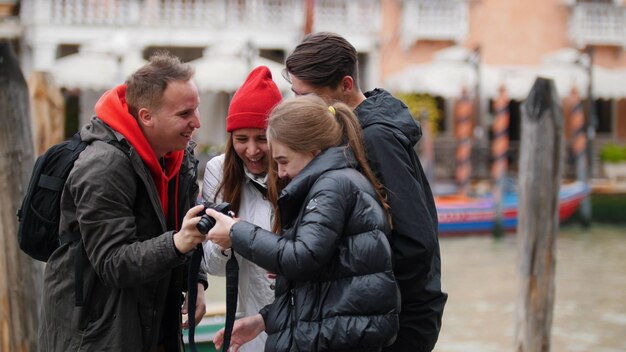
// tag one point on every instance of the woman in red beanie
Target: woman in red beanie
(239, 178)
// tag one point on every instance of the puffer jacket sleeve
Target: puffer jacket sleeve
(315, 239)
(214, 262)
(101, 187)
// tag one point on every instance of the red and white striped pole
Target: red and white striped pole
(463, 133)
(578, 133)
(578, 147)
(499, 151)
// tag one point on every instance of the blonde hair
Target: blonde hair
(306, 124)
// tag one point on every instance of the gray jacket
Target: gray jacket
(133, 277)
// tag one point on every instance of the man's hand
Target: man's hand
(244, 330)
(188, 237)
(200, 307)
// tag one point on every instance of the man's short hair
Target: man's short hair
(145, 87)
(322, 60)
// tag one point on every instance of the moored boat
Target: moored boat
(460, 215)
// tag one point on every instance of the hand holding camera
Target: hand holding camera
(207, 222)
(219, 222)
(188, 237)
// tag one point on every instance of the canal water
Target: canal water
(481, 277)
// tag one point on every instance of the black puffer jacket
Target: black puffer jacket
(335, 288)
(389, 135)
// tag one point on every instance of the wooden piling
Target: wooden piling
(540, 165)
(20, 283)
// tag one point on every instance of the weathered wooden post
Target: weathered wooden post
(539, 180)
(20, 283)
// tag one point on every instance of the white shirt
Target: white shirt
(254, 284)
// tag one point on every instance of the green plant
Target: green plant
(613, 153)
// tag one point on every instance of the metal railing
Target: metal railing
(343, 16)
(434, 20)
(598, 24)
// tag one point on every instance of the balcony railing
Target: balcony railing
(598, 24)
(344, 16)
(241, 14)
(434, 20)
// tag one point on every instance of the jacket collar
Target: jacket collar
(292, 197)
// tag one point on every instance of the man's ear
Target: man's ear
(144, 117)
(347, 84)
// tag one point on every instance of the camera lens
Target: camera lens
(205, 224)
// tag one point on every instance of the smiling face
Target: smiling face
(250, 144)
(170, 127)
(290, 162)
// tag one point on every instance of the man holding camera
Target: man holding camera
(117, 283)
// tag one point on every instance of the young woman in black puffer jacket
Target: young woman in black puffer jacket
(335, 289)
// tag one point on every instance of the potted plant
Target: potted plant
(613, 158)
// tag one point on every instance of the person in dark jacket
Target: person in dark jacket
(326, 64)
(335, 289)
(128, 198)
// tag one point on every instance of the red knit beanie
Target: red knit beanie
(253, 101)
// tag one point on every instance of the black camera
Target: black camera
(206, 222)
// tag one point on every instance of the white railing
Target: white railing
(598, 24)
(254, 14)
(343, 16)
(434, 20)
(219, 13)
(347, 16)
(76, 12)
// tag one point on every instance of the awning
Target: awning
(93, 70)
(226, 72)
(451, 71)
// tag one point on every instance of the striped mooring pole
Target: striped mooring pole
(578, 147)
(499, 151)
(463, 133)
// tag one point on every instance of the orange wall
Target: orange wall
(509, 32)
(517, 32)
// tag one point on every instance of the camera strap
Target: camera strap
(232, 282)
(192, 293)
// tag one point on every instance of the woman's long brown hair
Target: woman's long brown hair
(232, 177)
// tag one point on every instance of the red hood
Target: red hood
(113, 110)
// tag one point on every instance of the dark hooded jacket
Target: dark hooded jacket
(390, 134)
(335, 288)
(132, 274)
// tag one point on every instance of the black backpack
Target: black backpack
(39, 215)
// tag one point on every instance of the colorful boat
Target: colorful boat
(460, 215)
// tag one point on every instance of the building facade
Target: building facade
(425, 48)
